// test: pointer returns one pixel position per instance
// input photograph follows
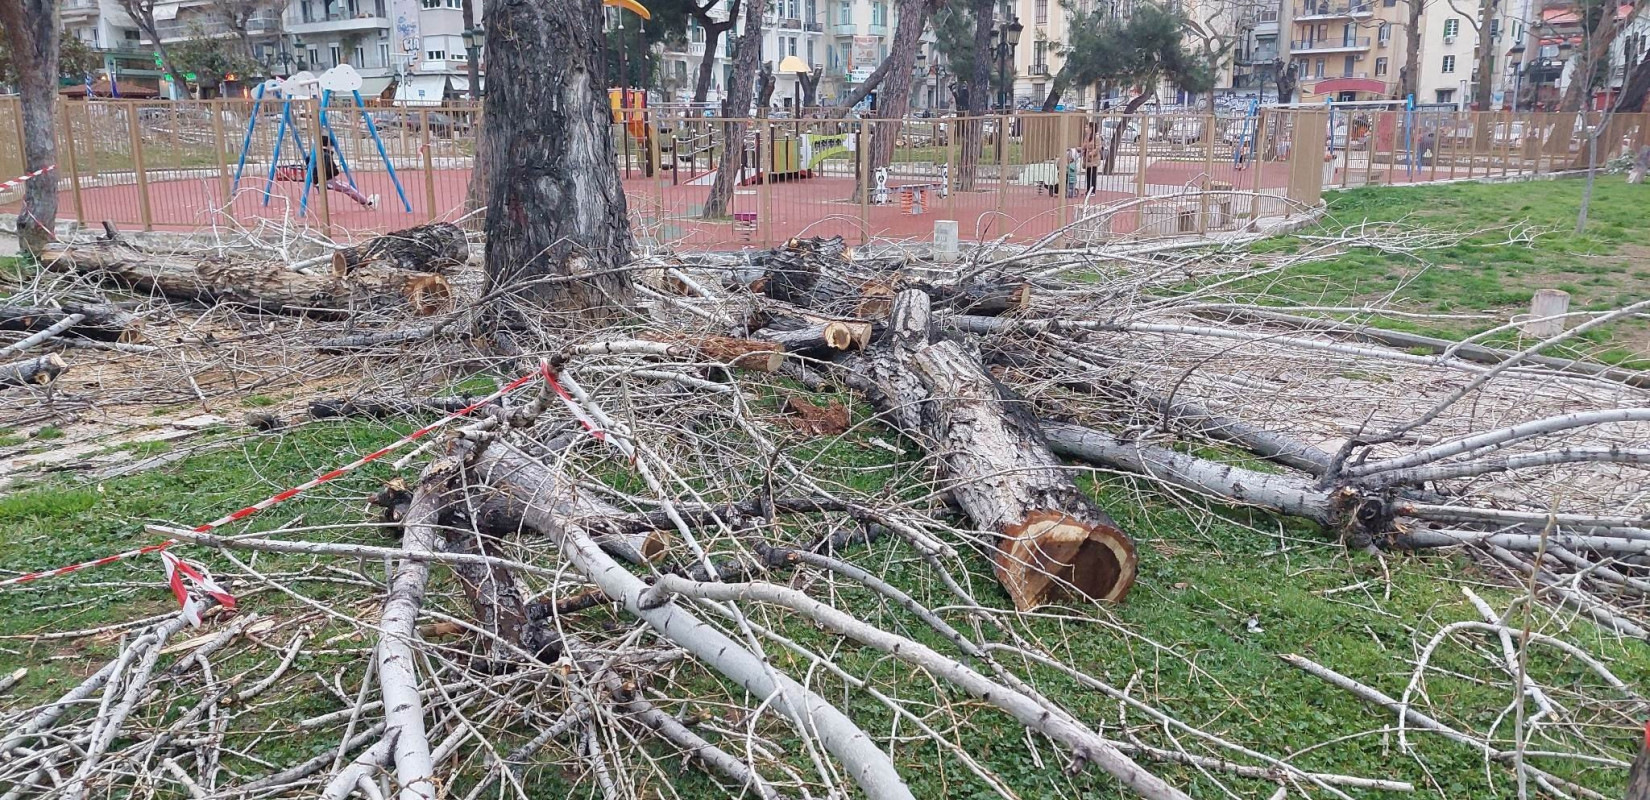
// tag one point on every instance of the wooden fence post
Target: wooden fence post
(429, 162)
(74, 164)
(145, 213)
(315, 133)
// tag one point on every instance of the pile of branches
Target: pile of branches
(532, 613)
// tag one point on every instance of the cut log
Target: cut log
(267, 285)
(381, 407)
(752, 354)
(813, 274)
(816, 339)
(37, 371)
(1053, 539)
(438, 247)
(983, 299)
(99, 320)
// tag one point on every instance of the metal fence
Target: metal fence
(188, 165)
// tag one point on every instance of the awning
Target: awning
(374, 87)
(421, 90)
(165, 11)
(1336, 85)
(461, 83)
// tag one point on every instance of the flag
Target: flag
(88, 84)
(114, 91)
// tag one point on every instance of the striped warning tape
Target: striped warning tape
(22, 179)
(283, 496)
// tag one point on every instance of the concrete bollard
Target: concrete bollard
(946, 248)
(1546, 303)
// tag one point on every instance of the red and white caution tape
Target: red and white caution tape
(22, 179)
(177, 569)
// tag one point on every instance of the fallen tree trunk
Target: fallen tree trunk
(437, 247)
(816, 339)
(37, 371)
(1053, 539)
(267, 285)
(97, 320)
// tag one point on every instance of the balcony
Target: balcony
(79, 8)
(1329, 10)
(814, 27)
(877, 30)
(1335, 76)
(340, 22)
(176, 30)
(1342, 45)
(1038, 70)
(845, 29)
(1264, 15)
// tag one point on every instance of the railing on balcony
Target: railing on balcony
(1328, 9)
(1039, 70)
(1329, 76)
(815, 27)
(177, 29)
(1344, 43)
(1264, 15)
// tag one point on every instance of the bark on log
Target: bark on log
(752, 354)
(991, 451)
(37, 371)
(269, 286)
(100, 320)
(813, 274)
(816, 339)
(437, 247)
(397, 664)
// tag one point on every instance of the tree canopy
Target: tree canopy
(1143, 48)
(212, 60)
(75, 60)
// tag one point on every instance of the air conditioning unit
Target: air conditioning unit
(1449, 40)
(1358, 57)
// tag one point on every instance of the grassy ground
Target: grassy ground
(1180, 638)
(1606, 267)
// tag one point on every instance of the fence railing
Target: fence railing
(185, 165)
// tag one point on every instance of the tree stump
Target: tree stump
(437, 247)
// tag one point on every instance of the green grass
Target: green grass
(49, 433)
(1180, 637)
(1603, 268)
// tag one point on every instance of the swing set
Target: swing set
(299, 87)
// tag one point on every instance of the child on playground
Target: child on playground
(327, 174)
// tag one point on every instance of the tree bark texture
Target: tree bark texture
(1054, 540)
(713, 41)
(736, 105)
(269, 286)
(1634, 91)
(971, 137)
(556, 207)
(99, 321)
(37, 371)
(1409, 76)
(30, 28)
(436, 247)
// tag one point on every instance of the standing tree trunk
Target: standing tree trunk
(810, 88)
(979, 90)
(556, 207)
(1062, 79)
(895, 98)
(1633, 92)
(736, 106)
(472, 66)
(1409, 78)
(1123, 124)
(477, 195)
(142, 13)
(30, 28)
(713, 39)
(1482, 94)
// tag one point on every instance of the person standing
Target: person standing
(1091, 159)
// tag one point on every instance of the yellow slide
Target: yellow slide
(630, 5)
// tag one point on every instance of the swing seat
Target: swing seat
(290, 172)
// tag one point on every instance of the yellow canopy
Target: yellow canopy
(631, 6)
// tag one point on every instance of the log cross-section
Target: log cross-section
(1052, 539)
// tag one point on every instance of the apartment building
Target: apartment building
(1449, 54)
(1347, 49)
(846, 38)
(129, 57)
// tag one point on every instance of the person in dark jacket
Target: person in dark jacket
(327, 174)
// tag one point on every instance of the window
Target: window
(1446, 95)
(1449, 64)
(383, 54)
(879, 13)
(1042, 12)
(360, 56)
(1452, 28)
(1040, 56)
(458, 4)
(1380, 66)
(431, 3)
(434, 55)
(1349, 34)
(811, 10)
(314, 57)
(1384, 33)
(1495, 29)
(337, 54)
(1323, 31)
(1319, 72)
(1346, 67)
(792, 46)
(810, 52)
(845, 14)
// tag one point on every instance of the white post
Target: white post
(946, 247)
(1547, 303)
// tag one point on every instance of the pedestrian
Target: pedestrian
(1091, 160)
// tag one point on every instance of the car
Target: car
(1131, 130)
(1178, 131)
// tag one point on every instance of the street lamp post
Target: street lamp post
(474, 38)
(1008, 37)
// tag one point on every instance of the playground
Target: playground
(183, 166)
